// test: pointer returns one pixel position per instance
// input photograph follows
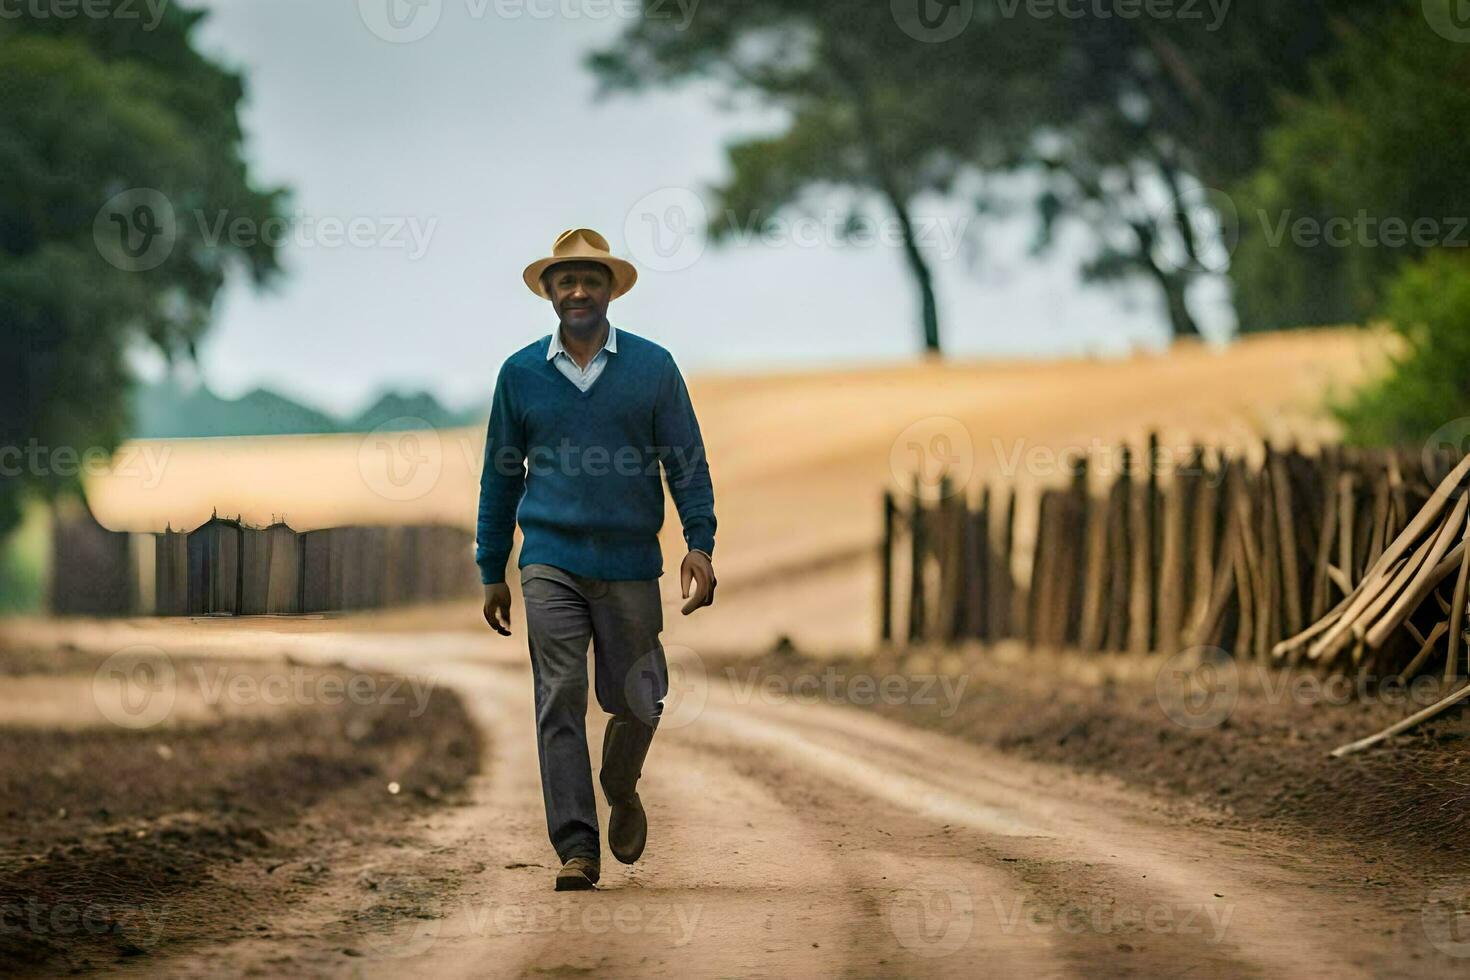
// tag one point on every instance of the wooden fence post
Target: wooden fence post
(977, 550)
(918, 546)
(1140, 601)
(885, 614)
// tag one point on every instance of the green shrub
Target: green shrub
(1428, 383)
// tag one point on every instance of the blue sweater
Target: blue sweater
(580, 470)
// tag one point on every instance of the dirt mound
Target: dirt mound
(118, 843)
(1258, 755)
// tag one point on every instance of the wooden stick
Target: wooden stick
(1286, 533)
(1378, 538)
(1426, 647)
(1402, 726)
(1419, 587)
(1206, 519)
(1118, 530)
(1269, 584)
(977, 558)
(1414, 630)
(1248, 566)
(1244, 632)
(885, 613)
(1095, 582)
(918, 550)
(1345, 524)
(1457, 613)
(1327, 532)
(1400, 510)
(1427, 515)
(1296, 642)
(1205, 631)
(1171, 568)
(1403, 575)
(1364, 596)
(1140, 528)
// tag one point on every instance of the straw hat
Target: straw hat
(582, 245)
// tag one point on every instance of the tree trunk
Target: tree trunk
(1172, 284)
(922, 277)
(888, 185)
(1181, 321)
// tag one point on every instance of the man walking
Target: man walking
(581, 423)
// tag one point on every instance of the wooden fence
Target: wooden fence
(1228, 551)
(224, 567)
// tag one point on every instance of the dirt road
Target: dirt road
(796, 839)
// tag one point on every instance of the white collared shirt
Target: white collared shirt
(567, 366)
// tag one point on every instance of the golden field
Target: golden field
(799, 460)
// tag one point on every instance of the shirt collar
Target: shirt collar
(554, 348)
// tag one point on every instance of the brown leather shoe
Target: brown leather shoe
(579, 874)
(624, 747)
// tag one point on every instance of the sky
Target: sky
(455, 158)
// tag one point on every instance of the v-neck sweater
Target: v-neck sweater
(579, 470)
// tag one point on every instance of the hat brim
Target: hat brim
(624, 275)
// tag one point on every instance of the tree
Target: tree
(1144, 123)
(121, 148)
(1362, 175)
(1425, 394)
(870, 109)
(1367, 216)
(1128, 121)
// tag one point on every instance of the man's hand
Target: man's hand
(497, 607)
(698, 569)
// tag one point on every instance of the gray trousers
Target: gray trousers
(622, 621)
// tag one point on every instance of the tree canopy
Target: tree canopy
(116, 135)
(1136, 125)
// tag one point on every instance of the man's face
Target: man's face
(580, 292)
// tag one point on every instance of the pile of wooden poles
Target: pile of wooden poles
(1398, 588)
(1399, 585)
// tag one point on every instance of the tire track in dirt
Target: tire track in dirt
(1274, 919)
